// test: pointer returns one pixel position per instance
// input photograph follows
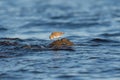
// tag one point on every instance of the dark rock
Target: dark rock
(7, 43)
(33, 47)
(16, 39)
(26, 47)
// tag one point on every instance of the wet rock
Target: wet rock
(7, 43)
(26, 47)
(62, 43)
(33, 47)
(19, 44)
(11, 39)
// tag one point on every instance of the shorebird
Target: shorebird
(55, 35)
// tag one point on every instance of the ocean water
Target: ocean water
(92, 25)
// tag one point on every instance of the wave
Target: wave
(111, 34)
(101, 40)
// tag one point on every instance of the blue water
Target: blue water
(92, 25)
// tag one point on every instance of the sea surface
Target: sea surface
(92, 25)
